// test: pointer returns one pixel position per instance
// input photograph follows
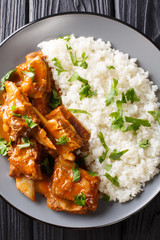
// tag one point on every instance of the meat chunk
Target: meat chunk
(14, 172)
(64, 187)
(27, 160)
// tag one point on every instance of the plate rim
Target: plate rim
(92, 14)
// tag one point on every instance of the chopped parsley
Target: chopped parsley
(116, 155)
(48, 167)
(55, 100)
(144, 144)
(113, 92)
(106, 198)
(136, 123)
(59, 66)
(93, 174)
(26, 143)
(15, 114)
(73, 110)
(76, 76)
(113, 180)
(4, 147)
(80, 199)
(117, 122)
(123, 100)
(30, 74)
(108, 167)
(29, 122)
(81, 63)
(76, 173)
(6, 77)
(131, 95)
(65, 38)
(62, 140)
(156, 115)
(104, 154)
(110, 67)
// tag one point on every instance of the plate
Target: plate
(123, 37)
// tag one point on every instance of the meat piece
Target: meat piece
(14, 172)
(16, 103)
(42, 104)
(62, 185)
(58, 126)
(42, 186)
(27, 160)
(34, 84)
(26, 186)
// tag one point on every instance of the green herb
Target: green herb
(106, 198)
(10, 142)
(116, 155)
(4, 147)
(62, 140)
(113, 92)
(156, 115)
(47, 165)
(82, 63)
(26, 143)
(15, 114)
(6, 77)
(104, 154)
(111, 67)
(29, 122)
(93, 174)
(131, 95)
(108, 167)
(31, 69)
(80, 199)
(59, 66)
(76, 173)
(117, 122)
(29, 74)
(74, 58)
(113, 180)
(68, 46)
(55, 100)
(144, 144)
(65, 38)
(137, 121)
(72, 110)
(76, 76)
(123, 100)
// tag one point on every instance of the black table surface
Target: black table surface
(143, 15)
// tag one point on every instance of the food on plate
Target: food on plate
(80, 120)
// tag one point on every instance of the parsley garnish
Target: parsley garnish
(144, 144)
(113, 92)
(80, 199)
(101, 137)
(118, 121)
(113, 180)
(59, 66)
(110, 67)
(82, 63)
(123, 100)
(6, 77)
(15, 114)
(116, 155)
(108, 167)
(72, 110)
(26, 143)
(4, 147)
(47, 165)
(131, 95)
(55, 100)
(62, 140)
(93, 174)
(76, 76)
(30, 74)
(156, 115)
(106, 198)
(136, 123)
(65, 38)
(76, 173)
(29, 122)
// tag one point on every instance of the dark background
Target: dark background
(143, 15)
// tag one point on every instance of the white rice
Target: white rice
(137, 165)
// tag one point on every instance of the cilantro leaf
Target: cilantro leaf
(137, 121)
(106, 198)
(65, 38)
(116, 155)
(93, 174)
(131, 95)
(156, 115)
(55, 100)
(68, 47)
(62, 140)
(82, 63)
(29, 122)
(15, 114)
(29, 74)
(26, 143)
(117, 122)
(76, 76)
(59, 66)
(144, 144)
(76, 173)
(108, 167)
(47, 165)
(80, 199)
(113, 92)
(113, 180)
(4, 147)
(104, 154)
(6, 77)
(72, 110)
(123, 100)
(74, 58)
(110, 67)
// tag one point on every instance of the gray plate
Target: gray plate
(122, 37)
